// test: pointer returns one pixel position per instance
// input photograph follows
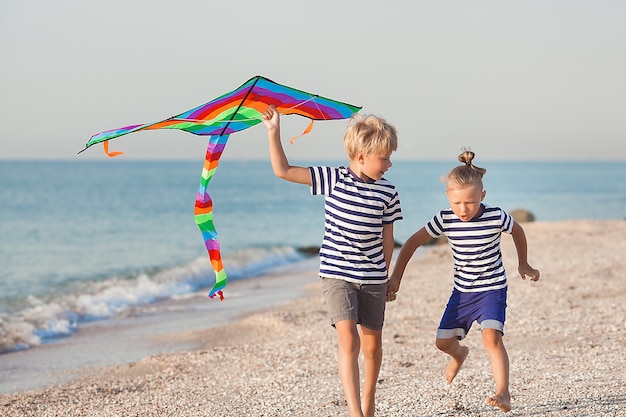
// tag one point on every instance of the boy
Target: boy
(360, 209)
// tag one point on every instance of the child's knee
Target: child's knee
(372, 350)
(371, 346)
(491, 338)
(445, 345)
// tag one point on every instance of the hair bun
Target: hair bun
(466, 157)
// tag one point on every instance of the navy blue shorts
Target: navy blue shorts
(464, 308)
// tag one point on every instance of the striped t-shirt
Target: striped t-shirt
(354, 214)
(475, 247)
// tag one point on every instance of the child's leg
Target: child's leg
(371, 345)
(454, 325)
(458, 354)
(492, 341)
(348, 355)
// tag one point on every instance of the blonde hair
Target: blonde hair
(369, 135)
(468, 173)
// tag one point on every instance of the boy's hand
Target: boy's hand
(271, 118)
(528, 271)
(393, 285)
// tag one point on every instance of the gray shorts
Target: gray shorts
(363, 303)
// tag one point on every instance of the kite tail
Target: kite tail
(307, 130)
(203, 213)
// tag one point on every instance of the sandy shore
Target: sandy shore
(564, 334)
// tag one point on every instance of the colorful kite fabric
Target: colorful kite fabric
(230, 113)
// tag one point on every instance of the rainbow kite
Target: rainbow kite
(230, 113)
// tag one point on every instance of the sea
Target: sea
(96, 253)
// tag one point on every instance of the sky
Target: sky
(511, 80)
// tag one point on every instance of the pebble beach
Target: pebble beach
(564, 335)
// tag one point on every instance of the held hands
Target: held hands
(528, 271)
(271, 118)
(393, 285)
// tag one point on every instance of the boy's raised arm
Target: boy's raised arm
(280, 164)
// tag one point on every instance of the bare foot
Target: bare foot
(502, 401)
(455, 364)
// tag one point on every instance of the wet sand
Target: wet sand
(564, 335)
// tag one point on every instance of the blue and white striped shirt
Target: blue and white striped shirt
(475, 247)
(354, 214)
